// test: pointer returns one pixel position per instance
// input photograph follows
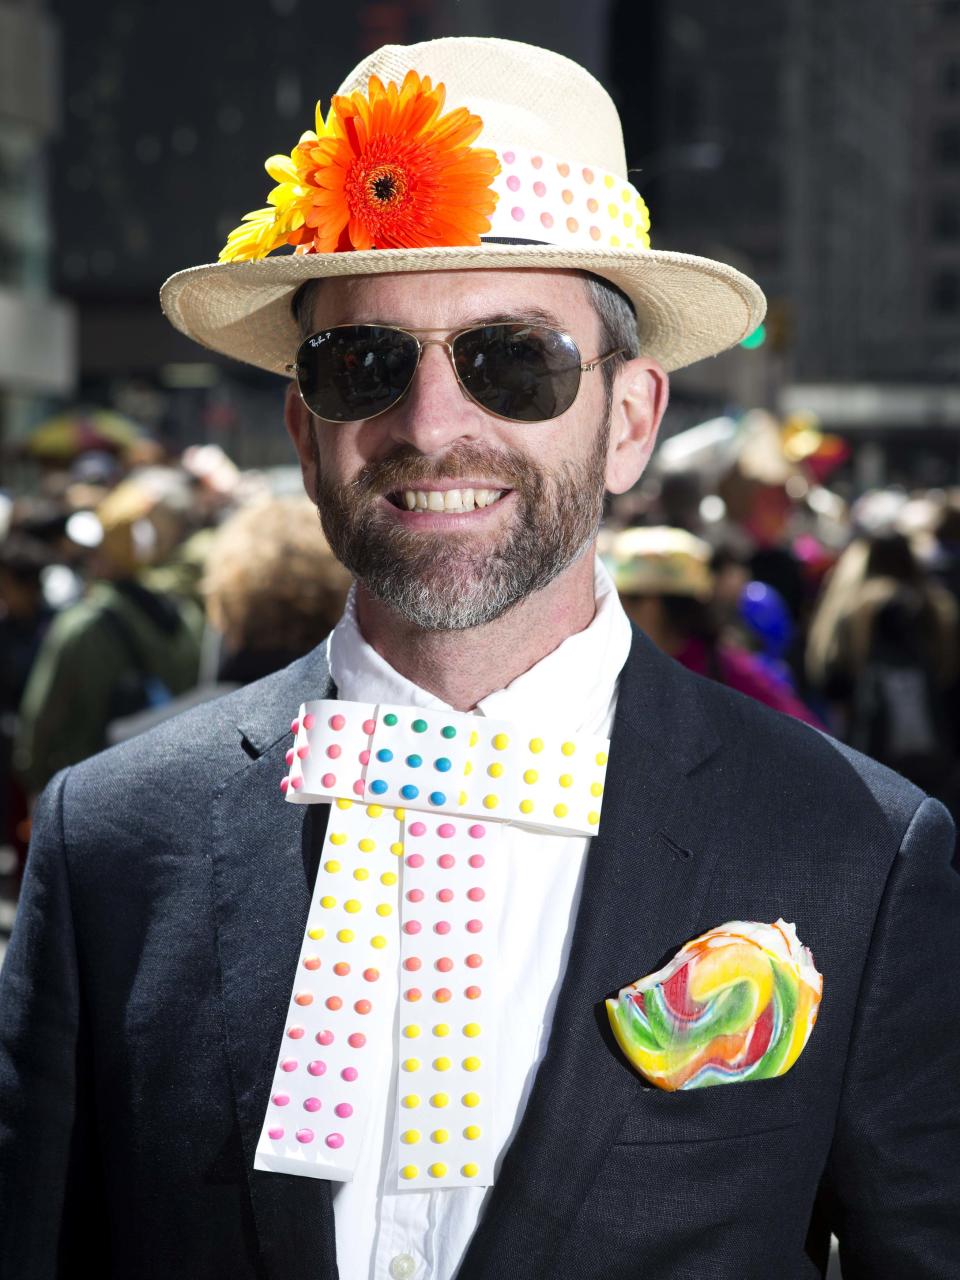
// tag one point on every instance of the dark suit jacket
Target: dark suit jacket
(145, 990)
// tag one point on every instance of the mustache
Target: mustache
(407, 468)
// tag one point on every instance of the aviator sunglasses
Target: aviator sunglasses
(518, 371)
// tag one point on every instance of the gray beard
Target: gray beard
(436, 581)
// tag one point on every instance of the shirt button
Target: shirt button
(402, 1266)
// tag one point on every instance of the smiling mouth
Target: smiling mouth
(445, 501)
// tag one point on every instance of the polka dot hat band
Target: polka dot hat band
(406, 904)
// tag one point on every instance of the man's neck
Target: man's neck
(462, 667)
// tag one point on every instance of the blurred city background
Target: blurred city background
(798, 533)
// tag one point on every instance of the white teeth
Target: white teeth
(452, 500)
(409, 499)
(421, 500)
(466, 499)
(434, 500)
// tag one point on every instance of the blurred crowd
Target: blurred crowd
(133, 585)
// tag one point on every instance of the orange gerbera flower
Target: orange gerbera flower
(385, 170)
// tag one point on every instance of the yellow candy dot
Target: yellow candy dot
(490, 802)
(628, 219)
(495, 770)
(411, 1064)
(361, 873)
(397, 849)
(566, 779)
(471, 1029)
(601, 757)
(471, 1064)
(614, 242)
(474, 738)
(388, 877)
(316, 934)
(344, 804)
(593, 818)
(399, 814)
(526, 806)
(614, 212)
(327, 901)
(560, 810)
(411, 1032)
(367, 845)
(345, 935)
(530, 776)
(351, 905)
(441, 1029)
(440, 1135)
(332, 865)
(338, 837)
(468, 769)
(441, 1064)
(470, 1170)
(438, 1170)
(409, 1171)
(411, 1101)
(608, 180)
(500, 741)
(410, 1137)
(440, 1100)
(374, 810)
(462, 798)
(384, 909)
(472, 1132)
(568, 748)
(596, 788)
(471, 1099)
(536, 745)
(378, 941)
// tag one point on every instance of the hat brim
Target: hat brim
(687, 307)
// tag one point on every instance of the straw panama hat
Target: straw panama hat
(565, 202)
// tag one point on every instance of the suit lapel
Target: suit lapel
(264, 861)
(643, 889)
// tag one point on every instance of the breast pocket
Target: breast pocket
(711, 1114)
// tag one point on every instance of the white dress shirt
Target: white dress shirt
(385, 1234)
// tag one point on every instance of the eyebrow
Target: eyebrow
(523, 315)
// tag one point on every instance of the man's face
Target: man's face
(442, 511)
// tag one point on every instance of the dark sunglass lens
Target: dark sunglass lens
(519, 371)
(355, 371)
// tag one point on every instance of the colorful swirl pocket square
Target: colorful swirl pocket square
(738, 1003)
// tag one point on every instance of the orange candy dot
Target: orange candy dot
(363, 1006)
(341, 968)
(333, 1002)
(567, 196)
(472, 993)
(411, 964)
(572, 224)
(592, 205)
(311, 962)
(547, 219)
(563, 169)
(588, 175)
(594, 233)
(371, 975)
(442, 995)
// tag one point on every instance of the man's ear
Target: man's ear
(640, 393)
(299, 423)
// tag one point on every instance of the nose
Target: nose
(435, 413)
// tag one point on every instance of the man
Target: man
(460, 411)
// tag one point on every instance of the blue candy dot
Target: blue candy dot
(414, 761)
(437, 797)
(443, 764)
(409, 792)
(384, 755)
(378, 787)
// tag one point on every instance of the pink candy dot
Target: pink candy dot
(444, 964)
(364, 757)
(358, 787)
(517, 213)
(309, 720)
(337, 722)
(311, 962)
(446, 830)
(357, 1040)
(312, 1104)
(369, 726)
(508, 157)
(334, 1140)
(334, 751)
(324, 1037)
(295, 1033)
(280, 1099)
(513, 182)
(547, 219)
(474, 926)
(303, 752)
(476, 895)
(284, 784)
(275, 1133)
(442, 926)
(411, 964)
(540, 189)
(349, 1073)
(289, 1064)
(296, 783)
(328, 780)
(474, 961)
(472, 993)
(445, 895)
(417, 829)
(446, 860)
(317, 1067)
(476, 860)
(305, 1135)
(477, 831)
(294, 726)
(415, 860)
(343, 1109)
(415, 895)
(412, 926)
(289, 757)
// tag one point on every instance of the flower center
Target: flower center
(386, 185)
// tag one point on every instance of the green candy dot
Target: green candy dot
(419, 726)
(390, 719)
(448, 731)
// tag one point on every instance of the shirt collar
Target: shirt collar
(574, 686)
